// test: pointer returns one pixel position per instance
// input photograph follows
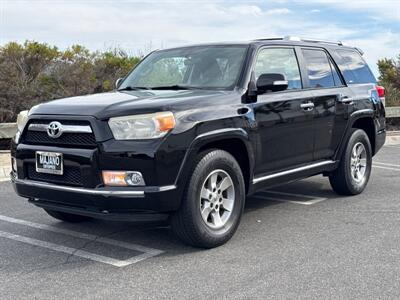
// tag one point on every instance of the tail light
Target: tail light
(381, 91)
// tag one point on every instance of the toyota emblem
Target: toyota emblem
(54, 129)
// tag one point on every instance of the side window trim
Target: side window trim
(335, 69)
(304, 68)
(335, 65)
(281, 47)
(335, 57)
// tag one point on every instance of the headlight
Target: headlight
(149, 126)
(22, 119)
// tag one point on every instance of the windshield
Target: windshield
(212, 67)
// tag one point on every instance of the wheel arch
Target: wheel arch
(363, 119)
(232, 140)
(367, 124)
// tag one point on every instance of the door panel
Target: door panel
(286, 137)
(330, 114)
(330, 121)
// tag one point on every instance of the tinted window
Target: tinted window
(279, 60)
(354, 68)
(318, 68)
(197, 67)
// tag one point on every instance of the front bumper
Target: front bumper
(119, 204)
(81, 186)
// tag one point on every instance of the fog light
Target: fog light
(14, 164)
(123, 178)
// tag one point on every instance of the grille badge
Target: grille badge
(54, 129)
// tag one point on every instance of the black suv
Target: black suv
(192, 130)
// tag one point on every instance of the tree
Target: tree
(21, 71)
(389, 70)
(33, 72)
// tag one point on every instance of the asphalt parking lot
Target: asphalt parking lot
(298, 241)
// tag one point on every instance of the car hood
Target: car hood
(116, 103)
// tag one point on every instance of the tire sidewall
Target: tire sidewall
(356, 137)
(215, 160)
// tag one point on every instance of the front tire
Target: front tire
(352, 175)
(66, 217)
(213, 201)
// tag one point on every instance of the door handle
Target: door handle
(307, 106)
(346, 99)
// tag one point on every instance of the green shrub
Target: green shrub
(389, 70)
(32, 72)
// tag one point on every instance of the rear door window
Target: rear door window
(354, 68)
(319, 69)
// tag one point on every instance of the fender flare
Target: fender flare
(356, 115)
(209, 137)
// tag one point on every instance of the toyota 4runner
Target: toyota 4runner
(191, 131)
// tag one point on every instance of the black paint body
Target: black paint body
(274, 132)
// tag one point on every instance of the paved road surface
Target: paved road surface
(299, 241)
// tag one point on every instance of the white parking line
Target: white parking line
(64, 249)
(292, 194)
(387, 168)
(147, 252)
(392, 146)
(313, 199)
(386, 164)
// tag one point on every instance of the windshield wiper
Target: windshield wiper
(172, 87)
(133, 88)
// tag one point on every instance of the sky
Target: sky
(141, 26)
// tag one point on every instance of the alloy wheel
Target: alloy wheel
(358, 162)
(217, 199)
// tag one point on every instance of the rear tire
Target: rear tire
(66, 217)
(352, 175)
(213, 201)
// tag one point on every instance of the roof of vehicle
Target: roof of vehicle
(288, 40)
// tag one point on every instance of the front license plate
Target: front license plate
(49, 162)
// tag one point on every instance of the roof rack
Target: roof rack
(309, 40)
(270, 39)
(299, 39)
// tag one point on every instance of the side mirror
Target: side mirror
(273, 82)
(118, 82)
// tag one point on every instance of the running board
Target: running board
(299, 169)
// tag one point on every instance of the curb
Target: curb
(7, 130)
(5, 174)
(393, 133)
(5, 167)
(392, 138)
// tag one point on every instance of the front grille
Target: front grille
(71, 176)
(66, 139)
(76, 139)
